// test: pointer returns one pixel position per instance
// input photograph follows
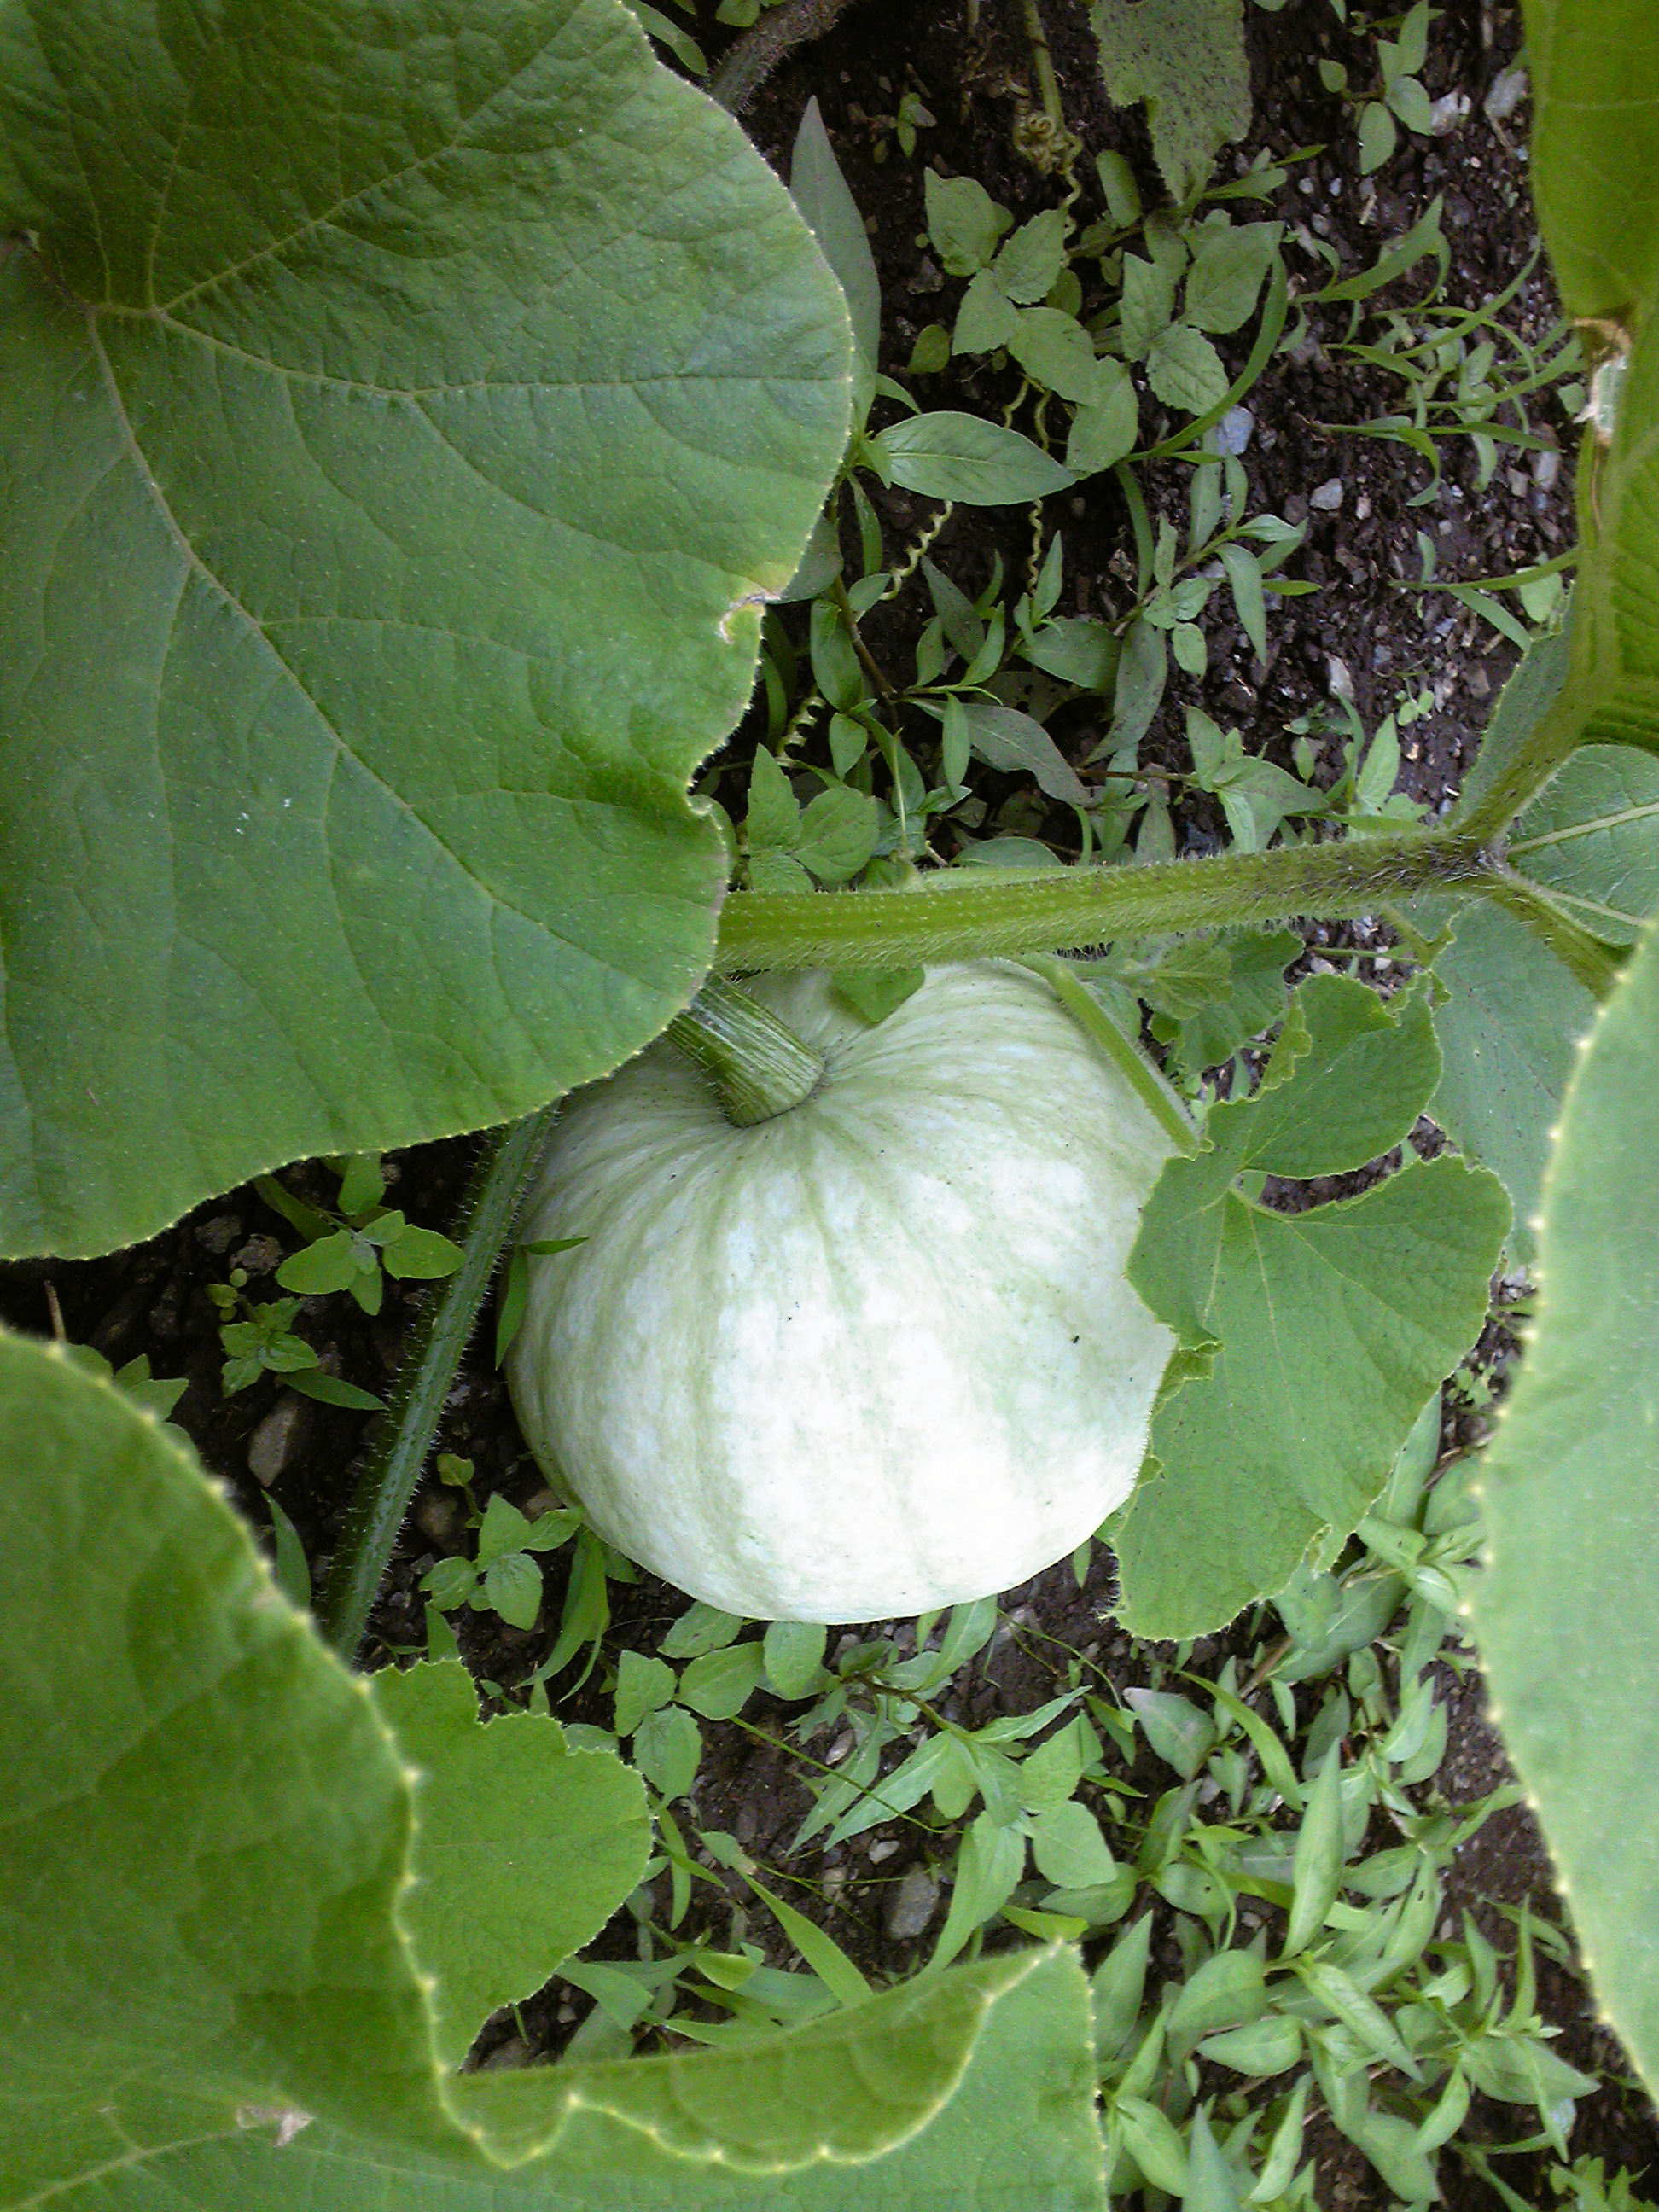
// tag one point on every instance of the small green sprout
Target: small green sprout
(504, 1578)
(348, 1250)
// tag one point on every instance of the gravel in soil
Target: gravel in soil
(1362, 633)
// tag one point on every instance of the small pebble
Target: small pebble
(1328, 497)
(1545, 467)
(883, 1847)
(218, 1234)
(1232, 433)
(910, 1905)
(439, 1516)
(278, 1438)
(515, 2051)
(1508, 90)
(1448, 113)
(1338, 681)
(260, 1255)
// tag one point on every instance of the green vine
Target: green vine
(952, 918)
(490, 1213)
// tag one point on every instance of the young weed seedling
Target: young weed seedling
(502, 1577)
(347, 1249)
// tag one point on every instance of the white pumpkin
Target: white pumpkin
(874, 1355)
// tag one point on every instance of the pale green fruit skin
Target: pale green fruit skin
(875, 1355)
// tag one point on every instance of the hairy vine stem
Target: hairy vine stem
(750, 59)
(945, 918)
(495, 1194)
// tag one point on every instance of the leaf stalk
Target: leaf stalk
(1547, 745)
(953, 918)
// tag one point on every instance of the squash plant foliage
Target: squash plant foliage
(373, 586)
(367, 386)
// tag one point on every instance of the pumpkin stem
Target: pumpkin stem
(758, 1066)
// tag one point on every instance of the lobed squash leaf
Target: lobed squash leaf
(524, 1849)
(1186, 60)
(1508, 1013)
(380, 561)
(207, 1997)
(1320, 1333)
(1569, 1500)
(1567, 1489)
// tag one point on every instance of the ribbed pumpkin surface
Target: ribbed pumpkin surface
(873, 1356)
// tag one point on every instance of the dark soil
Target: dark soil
(967, 65)
(1362, 632)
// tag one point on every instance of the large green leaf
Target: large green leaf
(847, 2089)
(1595, 148)
(1596, 179)
(1186, 60)
(1312, 1338)
(1566, 1614)
(1595, 183)
(1591, 840)
(205, 1828)
(404, 413)
(524, 1849)
(206, 1847)
(1509, 1012)
(1512, 1013)
(1615, 602)
(1507, 1028)
(1018, 2132)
